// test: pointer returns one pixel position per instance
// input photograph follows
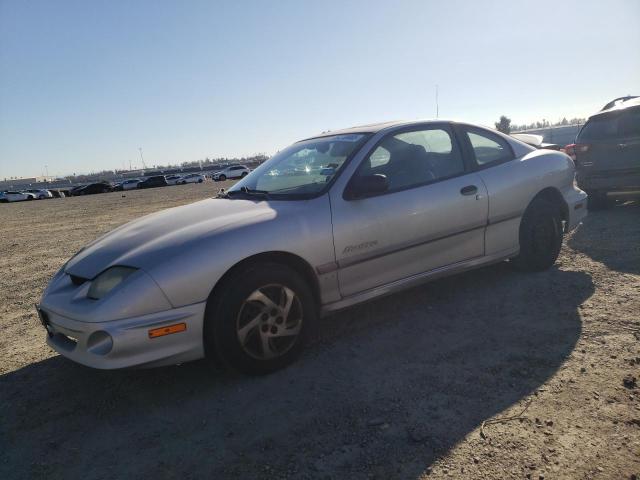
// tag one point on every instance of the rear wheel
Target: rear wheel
(244, 174)
(222, 178)
(540, 236)
(259, 319)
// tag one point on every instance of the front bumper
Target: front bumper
(577, 204)
(127, 343)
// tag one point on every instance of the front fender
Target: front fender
(302, 228)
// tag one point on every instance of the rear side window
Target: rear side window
(488, 148)
(601, 127)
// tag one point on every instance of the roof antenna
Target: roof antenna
(437, 107)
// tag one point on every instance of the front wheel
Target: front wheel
(222, 178)
(258, 320)
(244, 174)
(540, 237)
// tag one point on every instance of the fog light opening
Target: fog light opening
(99, 343)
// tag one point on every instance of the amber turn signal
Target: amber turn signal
(168, 330)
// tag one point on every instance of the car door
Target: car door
(432, 215)
(508, 183)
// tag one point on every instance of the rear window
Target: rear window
(619, 125)
(601, 127)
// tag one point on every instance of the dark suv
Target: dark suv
(607, 152)
(155, 181)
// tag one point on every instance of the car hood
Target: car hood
(147, 241)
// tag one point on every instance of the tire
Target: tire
(232, 313)
(540, 237)
(244, 174)
(200, 181)
(598, 200)
(29, 198)
(222, 178)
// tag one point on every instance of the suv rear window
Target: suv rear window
(601, 127)
(619, 125)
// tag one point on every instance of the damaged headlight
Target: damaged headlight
(108, 280)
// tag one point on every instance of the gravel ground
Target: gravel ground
(488, 374)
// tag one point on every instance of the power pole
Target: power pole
(142, 158)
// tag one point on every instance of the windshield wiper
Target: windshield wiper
(246, 191)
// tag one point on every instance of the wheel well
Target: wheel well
(284, 258)
(554, 196)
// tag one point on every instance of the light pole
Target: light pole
(142, 158)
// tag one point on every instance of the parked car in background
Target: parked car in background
(152, 182)
(93, 188)
(173, 179)
(244, 276)
(58, 193)
(128, 184)
(234, 171)
(41, 194)
(192, 178)
(73, 191)
(607, 152)
(16, 196)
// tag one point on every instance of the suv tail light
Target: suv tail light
(582, 147)
(570, 150)
(577, 149)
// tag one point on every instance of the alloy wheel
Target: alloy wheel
(269, 321)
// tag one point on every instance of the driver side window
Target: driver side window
(414, 158)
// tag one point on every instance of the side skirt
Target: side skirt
(417, 279)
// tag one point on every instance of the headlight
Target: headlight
(108, 280)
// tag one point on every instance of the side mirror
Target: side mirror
(366, 186)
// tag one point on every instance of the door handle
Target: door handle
(469, 190)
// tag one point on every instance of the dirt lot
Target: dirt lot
(397, 388)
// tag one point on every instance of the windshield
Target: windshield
(302, 170)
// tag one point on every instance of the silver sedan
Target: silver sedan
(331, 221)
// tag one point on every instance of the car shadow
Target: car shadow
(604, 236)
(385, 389)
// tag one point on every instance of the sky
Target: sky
(84, 84)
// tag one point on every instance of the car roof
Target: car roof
(376, 127)
(621, 105)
